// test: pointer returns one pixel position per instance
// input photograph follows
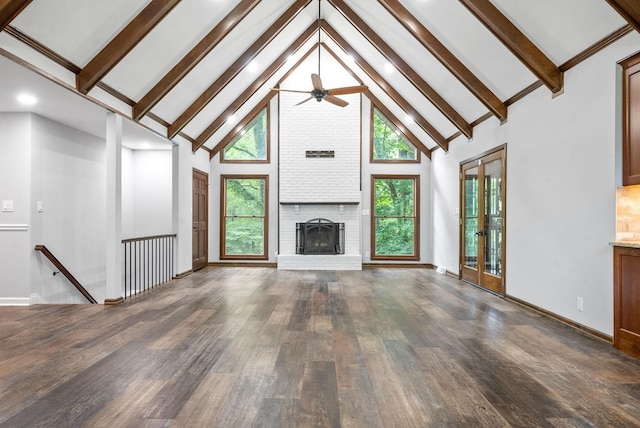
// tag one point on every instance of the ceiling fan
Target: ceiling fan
(319, 92)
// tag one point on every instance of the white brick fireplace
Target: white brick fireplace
(321, 187)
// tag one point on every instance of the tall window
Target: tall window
(244, 219)
(251, 143)
(389, 144)
(395, 217)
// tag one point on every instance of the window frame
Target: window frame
(416, 216)
(372, 139)
(268, 142)
(223, 216)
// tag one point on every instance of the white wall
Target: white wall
(152, 193)
(423, 168)
(560, 192)
(218, 168)
(68, 177)
(15, 182)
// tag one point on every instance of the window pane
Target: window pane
(395, 236)
(394, 197)
(245, 197)
(244, 236)
(251, 143)
(388, 141)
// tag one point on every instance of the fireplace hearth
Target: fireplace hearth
(319, 236)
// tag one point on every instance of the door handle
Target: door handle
(480, 233)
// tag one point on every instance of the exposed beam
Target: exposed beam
(235, 68)
(243, 123)
(446, 58)
(123, 43)
(190, 60)
(405, 69)
(254, 86)
(519, 44)
(398, 124)
(386, 86)
(9, 9)
(629, 10)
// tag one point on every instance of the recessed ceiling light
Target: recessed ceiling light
(145, 146)
(27, 99)
(231, 120)
(389, 68)
(408, 119)
(253, 66)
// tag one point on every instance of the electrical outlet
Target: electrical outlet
(7, 206)
(580, 305)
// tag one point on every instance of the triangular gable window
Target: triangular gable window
(251, 143)
(389, 144)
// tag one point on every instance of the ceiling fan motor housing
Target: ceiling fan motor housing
(318, 94)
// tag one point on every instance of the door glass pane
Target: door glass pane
(493, 217)
(471, 226)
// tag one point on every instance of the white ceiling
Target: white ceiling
(77, 30)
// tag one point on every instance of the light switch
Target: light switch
(39, 206)
(7, 206)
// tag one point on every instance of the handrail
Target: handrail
(65, 272)
(144, 238)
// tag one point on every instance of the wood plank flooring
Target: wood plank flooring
(258, 347)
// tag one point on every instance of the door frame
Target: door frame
(489, 153)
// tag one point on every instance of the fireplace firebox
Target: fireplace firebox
(320, 236)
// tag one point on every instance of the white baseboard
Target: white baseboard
(15, 301)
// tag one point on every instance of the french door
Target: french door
(482, 221)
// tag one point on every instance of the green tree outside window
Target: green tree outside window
(251, 142)
(388, 142)
(395, 217)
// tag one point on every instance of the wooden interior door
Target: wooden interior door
(482, 221)
(200, 219)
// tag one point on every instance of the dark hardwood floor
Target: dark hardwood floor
(243, 347)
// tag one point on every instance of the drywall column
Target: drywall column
(114, 290)
(183, 205)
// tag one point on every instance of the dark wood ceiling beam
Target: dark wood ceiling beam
(518, 43)
(235, 68)
(439, 139)
(253, 87)
(446, 58)
(123, 43)
(398, 124)
(629, 10)
(191, 59)
(9, 9)
(264, 103)
(405, 69)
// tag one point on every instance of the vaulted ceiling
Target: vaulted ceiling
(182, 68)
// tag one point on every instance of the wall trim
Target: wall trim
(14, 227)
(397, 265)
(183, 274)
(113, 302)
(590, 331)
(15, 301)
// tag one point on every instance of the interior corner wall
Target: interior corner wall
(69, 180)
(15, 226)
(560, 213)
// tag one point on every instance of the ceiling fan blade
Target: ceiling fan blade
(317, 83)
(335, 100)
(304, 101)
(347, 90)
(289, 90)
